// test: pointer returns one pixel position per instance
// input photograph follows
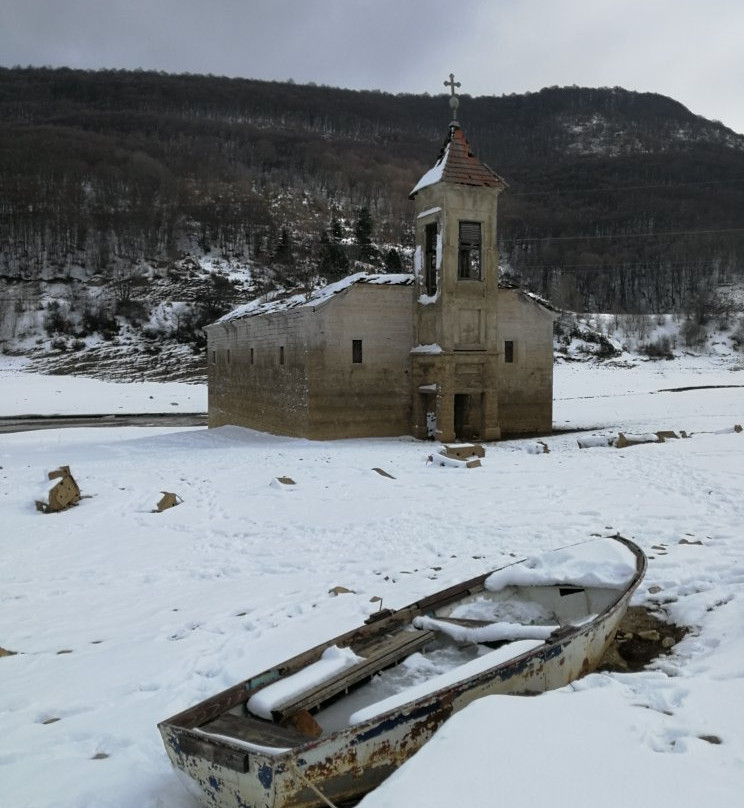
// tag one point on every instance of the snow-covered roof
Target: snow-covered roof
(320, 296)
(458, 164)
(537, 299)
(434, 174)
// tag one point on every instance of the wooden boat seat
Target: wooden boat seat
(379, 654)
(254, 730)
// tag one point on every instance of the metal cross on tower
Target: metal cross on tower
(454, 100)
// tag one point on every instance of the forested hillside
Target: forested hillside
(123, 182)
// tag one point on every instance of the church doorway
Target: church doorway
(462, 415)
(468, 415)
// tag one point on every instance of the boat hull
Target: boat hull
(346, 764)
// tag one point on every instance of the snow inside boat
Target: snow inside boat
(330, 724)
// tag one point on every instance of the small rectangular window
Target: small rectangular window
(214, 357)
(228, 356)
(252, 356)
(508, 351)
(469, 252)
(281, 354)
(356, 351)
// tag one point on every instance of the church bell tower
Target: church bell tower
(455, 357)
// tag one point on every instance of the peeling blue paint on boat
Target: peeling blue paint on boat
(265, 775)
(383, 727)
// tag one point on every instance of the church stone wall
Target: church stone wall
(526, 384)
(371, 398)
(252, 381)
(319, 391)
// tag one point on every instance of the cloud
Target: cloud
(687, 50)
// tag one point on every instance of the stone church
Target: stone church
(446, 352)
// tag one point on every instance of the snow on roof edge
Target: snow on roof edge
(258, 307)
(434, 174)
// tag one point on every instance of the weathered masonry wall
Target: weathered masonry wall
(455, 318)
(371, 398)
(293, 372)
(257, 373)
(460, 320)
(526, 383)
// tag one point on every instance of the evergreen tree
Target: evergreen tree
(363, 230)
(334, 263)
(284, 254)
(393, 262)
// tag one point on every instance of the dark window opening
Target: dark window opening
(356, 351)
(508, 351)
(252, 356)
(281, 354)
(214, 357)
(430, 259)
(228, 356)
(469, 254)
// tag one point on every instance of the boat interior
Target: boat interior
(445, 642)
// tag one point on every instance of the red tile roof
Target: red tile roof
(457, 164)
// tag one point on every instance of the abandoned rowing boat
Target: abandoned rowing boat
(332, 723)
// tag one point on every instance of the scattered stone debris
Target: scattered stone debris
(668, 434)
(282, 482)
(643, 636)
(383, 473)
(623, 440)
(63, 494)
(340, 590)
(537, 447)
(168, 500)
(458, 455)
(592, 441)
(462, 451)
(100, 756)
(52, 720)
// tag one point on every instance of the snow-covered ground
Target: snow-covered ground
(120, 616)
(24, 393)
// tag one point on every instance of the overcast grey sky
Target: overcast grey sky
(691, 50)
